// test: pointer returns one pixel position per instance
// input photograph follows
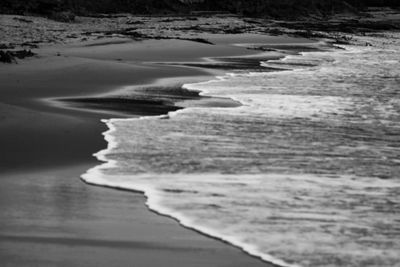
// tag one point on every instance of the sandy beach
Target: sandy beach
(76, 75)
(45, 206)
(48, 216)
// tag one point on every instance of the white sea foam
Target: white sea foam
(294, 176)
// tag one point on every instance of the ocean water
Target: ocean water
(305, 173)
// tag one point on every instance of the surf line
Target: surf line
(95, 177)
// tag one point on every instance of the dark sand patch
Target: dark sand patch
(127, 106)
(147, 101)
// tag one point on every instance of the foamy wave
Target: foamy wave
(164, 200)
(96, 177)
(155, 203)
(293, 175)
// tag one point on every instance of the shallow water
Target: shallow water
(305, 173)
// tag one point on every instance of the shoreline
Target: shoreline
(25, 85)
(101, 79)
(72, 134)
(90, 175)
(152, 203)
(156, 83)
(56, 141)
(100, 227)
(93, 176)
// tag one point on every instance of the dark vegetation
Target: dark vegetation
(11, 56)
(350, 26)
(87, 7)
(63, 9)
(284, 9)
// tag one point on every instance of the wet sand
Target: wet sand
(48, 217)
(37, 134)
